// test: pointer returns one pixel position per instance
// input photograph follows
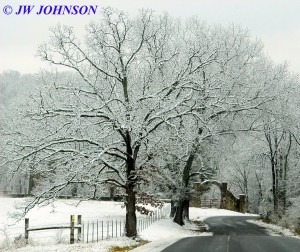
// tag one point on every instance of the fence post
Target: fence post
(97, 231)
(107, 229)
(83, 231)
(72, 220)
(93, 227)
(102, 228)
(87, 232)
(79, 228)
(138, 225)
(26, 229)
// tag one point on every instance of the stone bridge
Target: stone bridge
(228, 200)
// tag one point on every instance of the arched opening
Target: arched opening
(210, 196)
(226, 199)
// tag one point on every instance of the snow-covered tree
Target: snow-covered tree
(136, 83)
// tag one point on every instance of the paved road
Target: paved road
(234, 234)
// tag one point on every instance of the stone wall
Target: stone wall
(228, 200)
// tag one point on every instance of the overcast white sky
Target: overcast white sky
(275, 22)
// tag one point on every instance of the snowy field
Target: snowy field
(160, 234)
(57, 214)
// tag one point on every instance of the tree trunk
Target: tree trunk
(111, 193)
(173, 209)
(286, 172)
(179, 213)
(130, 225)
(31, 183)
(130, 212)
(183, 205)
(186, 206)
(272, 153)
(74, 190)
(260, 193)
(246, 188)
(274, 189)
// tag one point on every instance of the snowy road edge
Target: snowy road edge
(157, 246)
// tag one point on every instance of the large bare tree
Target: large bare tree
(135, 82)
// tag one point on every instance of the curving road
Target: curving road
(234, 234)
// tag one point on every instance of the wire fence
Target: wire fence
(90, 231)
(94, 231)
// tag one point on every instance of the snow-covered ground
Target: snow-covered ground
(102, 246)
(58, 213)
(203, 213)
(274, 230)
(160, 234)
(54, 214)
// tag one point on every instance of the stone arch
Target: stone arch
(228, 200)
